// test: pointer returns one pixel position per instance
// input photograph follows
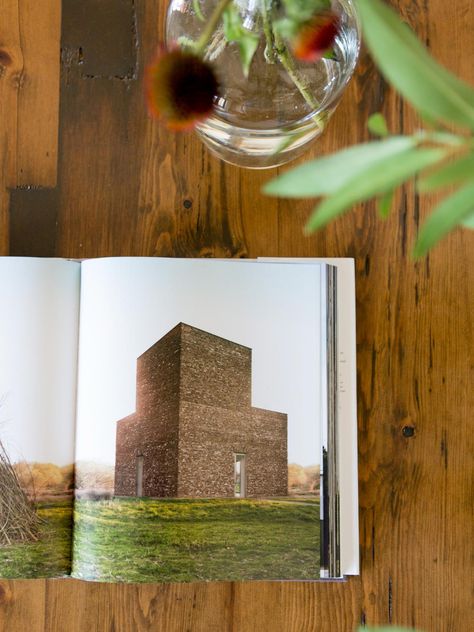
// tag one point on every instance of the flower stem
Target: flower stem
(211, 27)
(267, 29)
(197, 10)
(288, 64)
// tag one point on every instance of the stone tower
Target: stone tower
(195, 432)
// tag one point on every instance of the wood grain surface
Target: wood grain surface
(126, 186)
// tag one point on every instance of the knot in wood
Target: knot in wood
(408, 431)
(5, 58)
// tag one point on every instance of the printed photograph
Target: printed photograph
(199, 418)
(39, 305)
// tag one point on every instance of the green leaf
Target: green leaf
(232, 24)
(286, 27)
(377, 125)
(469, 222)
(440, 138)
(452, 211)
(198, 10)
(385, 203)
(248, 44)
(245, 39)
(330, 54)
(389, 628)
(303, 10)
(453, 173)
(374, 180)
(404, 61)
(326, 175)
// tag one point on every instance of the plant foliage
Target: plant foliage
(387, 628)
(435, 158)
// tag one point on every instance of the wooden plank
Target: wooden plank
(29, 99)
(22, 605)
(322, 606)
(200, 607)
(204, 607)
(103, 110)
(38, 99)
(33, 222)
(11, 66)
(208, 607)
(128, 186)
(4, 222)
(101, 35)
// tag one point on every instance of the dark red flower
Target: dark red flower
(180, 87)
(317, 36)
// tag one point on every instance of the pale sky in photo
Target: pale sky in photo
(128, 304)
(39, 308)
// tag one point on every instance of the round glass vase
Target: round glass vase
(267, 116)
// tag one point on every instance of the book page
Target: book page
(198, 427)
(39, 321)
(347, 401)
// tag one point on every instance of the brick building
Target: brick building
(195, 432)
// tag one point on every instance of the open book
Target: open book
(168, 420)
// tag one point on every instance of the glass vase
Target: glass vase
(270, 115)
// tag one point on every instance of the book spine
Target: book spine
(330, 536)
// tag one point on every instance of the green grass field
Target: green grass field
(50, 556)
(149, 540)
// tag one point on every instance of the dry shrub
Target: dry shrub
(94, 480)
(41, 480)
(303, 480)
(19, 521)
(313, 474)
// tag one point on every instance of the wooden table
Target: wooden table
(85, 173)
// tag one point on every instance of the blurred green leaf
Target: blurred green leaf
(326, 175)
(303, 10)
(248, 44)
(234, 31)
(469, 222)
(232, 23)
(453, 173)
(390, 628)
(377, 125)
(330, 54)
(452, 211)
(404, 61)
(198, 10)
(374, 180)
(385, 203)
(440, 138)
(286, 27)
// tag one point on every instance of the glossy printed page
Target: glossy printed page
(199, 414)
(39, 321)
